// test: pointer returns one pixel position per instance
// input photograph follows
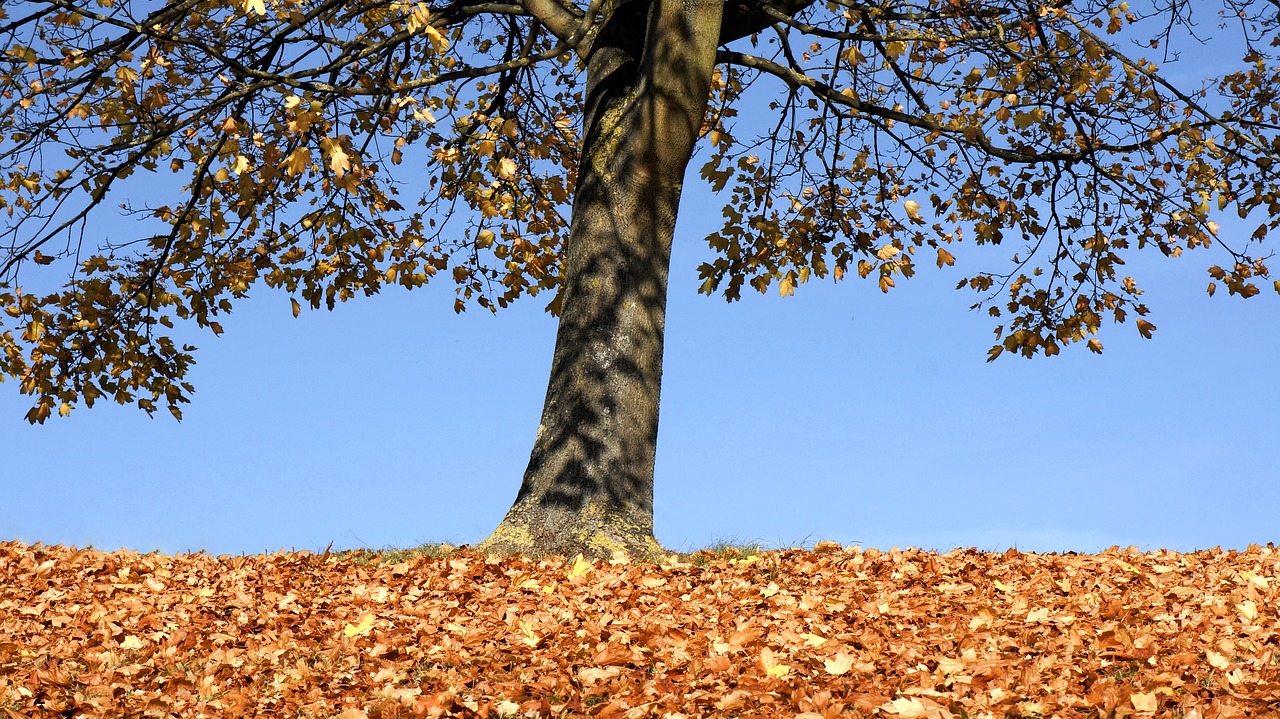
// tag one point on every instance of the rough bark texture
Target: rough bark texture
(589, 484)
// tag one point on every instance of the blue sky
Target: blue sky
(840, 414)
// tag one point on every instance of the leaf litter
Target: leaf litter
(805, 634)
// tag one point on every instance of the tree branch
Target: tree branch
(562, 19)
(748, 17)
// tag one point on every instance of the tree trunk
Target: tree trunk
(589, 484)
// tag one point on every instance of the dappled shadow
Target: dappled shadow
(646, 97)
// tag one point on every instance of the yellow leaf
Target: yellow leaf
(419, 17)
(906, 707)
(1095, 346)
(945, 258)
(1002, 586)
(1216, 660)
(298, 160)
(913, 212)
(361, 627)
(813, 640)
(1143, 702)
(507, 168)
(1145, 328)
(885, 283)
(581, 567)
(786, 287)
(34, 332)
(339, 160)
(841, 663)
(64, 409)
(982, 618)
(887, 251)
(1248, 609)
(771, 665)
(439, 42)
(255, 7)
(297, 308)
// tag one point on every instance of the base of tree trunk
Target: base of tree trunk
(595, 530)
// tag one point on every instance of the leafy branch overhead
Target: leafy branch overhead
(334, 148)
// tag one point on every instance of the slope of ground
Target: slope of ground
(831, 632)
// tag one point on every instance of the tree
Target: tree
(549, 144)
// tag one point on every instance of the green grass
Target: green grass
(718, 551)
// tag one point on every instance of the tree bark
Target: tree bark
(589, 484)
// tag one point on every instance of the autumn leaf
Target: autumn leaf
(887, 252)
(947, 665)
(839, 664)
(1145, 328)
(913, 212)
(362, 626)
(238, 104)
(785, 286)
(1143, 702)
(1217, 660)
(439, 42)
(581, 568)
(813, 640)
(631, 661)
(337, 158)
(772, 664)
(906, 708)
(298, 161)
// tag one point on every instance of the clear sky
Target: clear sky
(839, 414)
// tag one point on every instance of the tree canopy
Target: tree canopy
(331, 149)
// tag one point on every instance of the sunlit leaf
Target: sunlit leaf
(362, 626)
(581, 567)
(838, 664)
(1144, 702)
(772, 664)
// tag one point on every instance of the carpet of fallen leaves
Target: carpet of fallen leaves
(831, 632)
